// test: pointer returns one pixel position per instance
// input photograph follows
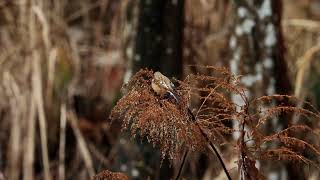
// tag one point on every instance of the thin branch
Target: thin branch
(182, 164)
(216, 152)
(211, 145)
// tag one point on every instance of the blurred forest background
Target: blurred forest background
(63, 63)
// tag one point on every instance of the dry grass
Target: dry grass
(53, 50)
(43, 44)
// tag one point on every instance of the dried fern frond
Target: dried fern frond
(272, 112)
(215, 109)
(286, 138)
(295, 142)
(170, 124)
(108, 175)
(285, 154)
(164, 123)
(282, 99)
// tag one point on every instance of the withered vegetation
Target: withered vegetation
(108, 175)
(163, 122)
(172, 126)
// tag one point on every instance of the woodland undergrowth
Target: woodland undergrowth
(203, 118)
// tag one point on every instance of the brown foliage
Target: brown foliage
(172, 126)
(108, 175)
(162, 121)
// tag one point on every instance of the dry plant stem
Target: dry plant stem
(99, 155)
(212, 146)
(242, 153)
(308, 24)
(182, 164)
(38, 98)
(28, 158)
(216, 152)
(303, 65)
(38, 11)
(15, 132)
(51, 74)
(37, 89)
(81, 142)
(62, 143)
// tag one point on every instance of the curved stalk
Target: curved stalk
(211, 145)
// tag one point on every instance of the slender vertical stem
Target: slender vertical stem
(28, 158)
(39, 103)
(216, 152)
(62, 142)
(211, 145)
(182, 164)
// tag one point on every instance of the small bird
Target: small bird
(163, 86)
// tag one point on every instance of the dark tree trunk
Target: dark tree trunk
(159, 37)
(154, 41)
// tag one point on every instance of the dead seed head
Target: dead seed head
(164, 122)
(169, 124)
(108, 175)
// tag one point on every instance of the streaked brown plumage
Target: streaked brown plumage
(162, 85)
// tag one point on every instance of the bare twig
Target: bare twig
(182, 164)
(211, 145)
(216, 152)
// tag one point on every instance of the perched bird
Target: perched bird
(163, 86)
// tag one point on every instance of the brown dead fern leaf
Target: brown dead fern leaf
(215, 109)
(108, 175)
(162, 121)
(297, 142)
(171, 126)
(169, 123)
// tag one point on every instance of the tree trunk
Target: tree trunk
(154, 41)
(158, 43)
